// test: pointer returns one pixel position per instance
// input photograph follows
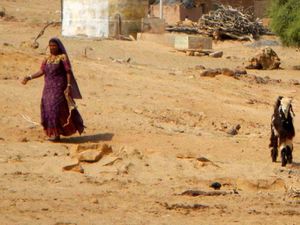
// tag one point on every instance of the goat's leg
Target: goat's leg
(289, 155)
(284, 150)
(284, 156)
(289, 152)
(274, 145)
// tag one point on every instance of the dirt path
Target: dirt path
(167, 127)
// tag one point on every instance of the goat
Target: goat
(282, 130)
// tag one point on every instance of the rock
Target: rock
(203, 159)
(217, 54)
(23, 139)
(234, 130)
(179, 206)
(2, 11)
(296, 67)
(240, 71)
(216, 185)
(251, 101)
(7, 44)
(74, 167)
(210, 73)
(34, 45)
(189, 53)
(109, 160)
(200, 67)
(199, 54)
(94, 200)
(103, 149)
(266, 59)
(294, 82)
(90, 156)
(228, 72)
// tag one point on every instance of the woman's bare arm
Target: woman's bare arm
(33, 76)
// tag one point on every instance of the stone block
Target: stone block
(192, 42)
(166, 39)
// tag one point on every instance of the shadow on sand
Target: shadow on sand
(88, 138)
(295, 165)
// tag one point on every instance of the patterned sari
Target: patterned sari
(58, 115)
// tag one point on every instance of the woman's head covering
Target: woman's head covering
(75, 92)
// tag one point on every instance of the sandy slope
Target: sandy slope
(159, 116)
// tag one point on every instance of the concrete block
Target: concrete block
(166, 39)
(192, 42)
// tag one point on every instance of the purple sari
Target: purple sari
(56, 116)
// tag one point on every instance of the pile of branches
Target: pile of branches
(226, 23)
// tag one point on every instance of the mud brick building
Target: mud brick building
(102, 18)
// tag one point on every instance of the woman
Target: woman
(59, 115)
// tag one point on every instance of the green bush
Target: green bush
(285, 21)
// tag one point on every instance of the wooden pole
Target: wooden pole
(161, 9)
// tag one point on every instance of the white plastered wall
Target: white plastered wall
(88, 18)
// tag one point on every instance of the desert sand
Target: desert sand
(166, 125)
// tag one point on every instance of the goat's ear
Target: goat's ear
(278, 101)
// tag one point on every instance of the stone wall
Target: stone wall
(126, 16)
(172, 13)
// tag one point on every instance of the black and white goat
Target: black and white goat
(282, 130)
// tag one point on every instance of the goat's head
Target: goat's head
(285, 106)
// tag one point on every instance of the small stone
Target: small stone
(203, 159)
(102, 149)
(216, 185)
(294, 82)
(199, 54)
(74, 167)
(23, 139)
(2, 11)
(200, 67)
(89, 156)
(234, 130)
(240, 71)
(95, 201)
(217, 54)
(189, 53)
(251, 101)
(227, 72)
(35, 45)
(7, 44)
(296, 67)
(210, 73)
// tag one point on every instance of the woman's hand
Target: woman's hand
(68, 90)
(25, 80)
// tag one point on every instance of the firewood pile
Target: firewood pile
(225, 23)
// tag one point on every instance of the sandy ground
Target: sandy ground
(166, 126)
